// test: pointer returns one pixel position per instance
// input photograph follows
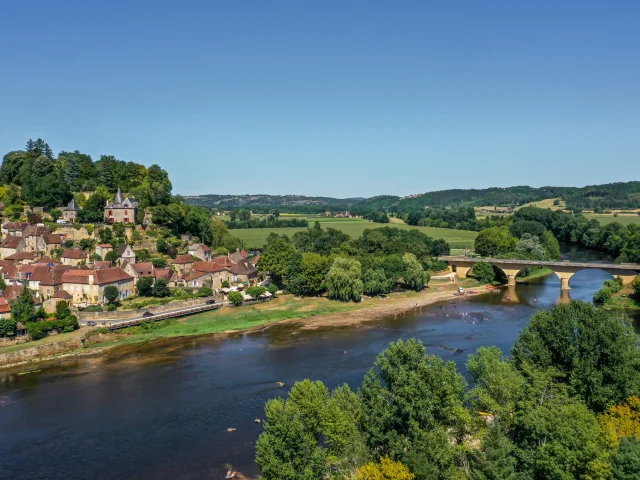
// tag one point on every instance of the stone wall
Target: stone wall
(39, 351)
(134, 313)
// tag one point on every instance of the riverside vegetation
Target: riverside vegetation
(544, 412)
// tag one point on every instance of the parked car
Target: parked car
(91, 324)
(147, 314)
(210, 302)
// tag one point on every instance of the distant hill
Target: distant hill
(226, 202)
(608, 196)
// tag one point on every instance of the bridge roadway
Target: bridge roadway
(564, 270)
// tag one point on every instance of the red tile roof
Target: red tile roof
(100, 277)
(74, 254)
(22, 256)
(222, 260)
(46, 260)
(11, 241)
(101, 264)
(62, 294)
(194, 275)
(4, 305)
(244, 267)
(105, 245)
(165, 273)
(143, 269)
(52, 239)
(208, 267)
(183, 259)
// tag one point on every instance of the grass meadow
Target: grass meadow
(255, 237)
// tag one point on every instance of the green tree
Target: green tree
(594, 350)
(530, 248)
(626, 463)
(494, 241)
(550, 245)
(497, 385)
(161, 288)
(205, 292)
(112, 256)
(276, 256)
(235, 298)
(343, 280)
(23, 307)
(414, 275)
(375, 282)
(305, 273)
(111, 293)
(558, 438)
(55, 214)
(106, 235)
(498, 461)
(7, 326)
(286, 450)
(483, 272)
(144, 285)
(413, 409)
(636, 288)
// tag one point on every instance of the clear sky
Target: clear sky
(339, 98)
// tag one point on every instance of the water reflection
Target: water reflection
(162, 411)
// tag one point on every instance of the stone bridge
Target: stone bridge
(564, 270)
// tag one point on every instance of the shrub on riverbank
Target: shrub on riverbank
(235, 298)
(605, 294)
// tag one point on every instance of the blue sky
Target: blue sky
(337, 98)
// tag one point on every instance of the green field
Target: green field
(606, 219)
(255, 237)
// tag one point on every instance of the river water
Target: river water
(162, 412)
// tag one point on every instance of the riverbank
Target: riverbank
(538, 273)
(305, 312)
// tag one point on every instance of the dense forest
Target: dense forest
(49, 181)
(608, 196)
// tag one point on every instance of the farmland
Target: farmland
(605, 219)
(255, 237)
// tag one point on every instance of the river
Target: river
(162, 412)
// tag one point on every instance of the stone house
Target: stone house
(14, 228)
(49, 242)
(201, 251)
(124, 210)
(103, 249)
(238, 255)
(125, 252)
(183, 263)
(87, 286)
(12, 244)
(52, 282)
(73, 257)
(70, 212)
(244, 272)
(32, 234)
(206, 274)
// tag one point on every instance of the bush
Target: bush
(236, 298)
(111, 307)
(273, 289)
(41, 329)
(256, 292)
(159, 262)
(205, 292)
(483, 272)
(161, 288)
(111, 293)
(636, 288)
(225, 284)
(602, 296)
(93, 308)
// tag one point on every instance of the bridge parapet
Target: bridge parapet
(564, 270)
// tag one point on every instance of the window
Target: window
(126, 212)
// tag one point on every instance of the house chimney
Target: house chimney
(91, 279)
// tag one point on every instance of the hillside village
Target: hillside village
(65, 261)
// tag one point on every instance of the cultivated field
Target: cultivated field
(546, 203)
(255, 237)
(623, 219)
